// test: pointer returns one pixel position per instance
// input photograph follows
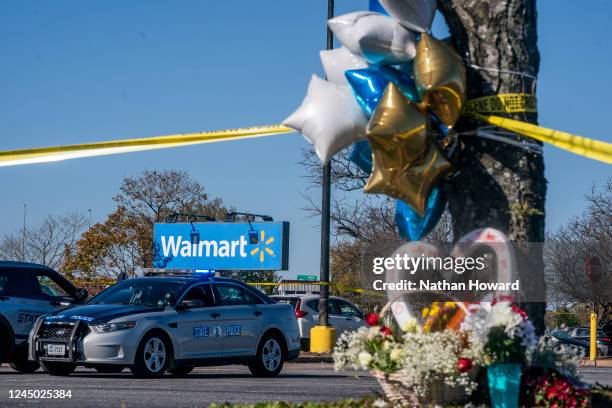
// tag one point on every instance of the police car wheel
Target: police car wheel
(269, 359)
(152, 357)
(25, 367)
(181, 371)
(55, 368)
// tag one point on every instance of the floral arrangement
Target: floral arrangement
(437, 355)
(502, 332)
(551, 389)
(420, 357)
(369, 348)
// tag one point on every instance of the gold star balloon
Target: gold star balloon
(406, 163)
(440, 78)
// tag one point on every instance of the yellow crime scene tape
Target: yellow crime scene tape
(593, 149)
(502, 103)
(58, 153)
(319, 283)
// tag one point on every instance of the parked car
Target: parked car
(562, 338)
(174, 323)
(604, 346)
(28, 291)
(607, 328)
(343, 315)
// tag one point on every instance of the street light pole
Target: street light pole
(23, 235)
(325, 211)
(322, 336)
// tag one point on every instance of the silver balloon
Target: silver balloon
(329, 118)
(339, 60)
(415, 15)
(376, 37)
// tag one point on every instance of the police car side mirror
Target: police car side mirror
(190, 304)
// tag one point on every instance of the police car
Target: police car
(28, 291)
(173, 322)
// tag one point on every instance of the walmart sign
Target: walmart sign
(222, 246)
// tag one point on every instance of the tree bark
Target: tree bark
(499, 185)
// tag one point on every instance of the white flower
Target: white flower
(410, 325)
(365, 358)
(379, 403)
(396, 354)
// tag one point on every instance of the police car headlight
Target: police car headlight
(112, 327)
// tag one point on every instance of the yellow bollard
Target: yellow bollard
(593, 349)
(322, 339)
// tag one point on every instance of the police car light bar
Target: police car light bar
(176, 272)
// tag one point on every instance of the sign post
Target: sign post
(323, 336)
(592, 269)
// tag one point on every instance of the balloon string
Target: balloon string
(510, 72)
(488, 132)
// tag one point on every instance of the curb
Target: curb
(605, 362)
(313, 358)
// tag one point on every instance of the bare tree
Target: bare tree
(567, 250)
(46, 242)
(155, 194)
(363, 224)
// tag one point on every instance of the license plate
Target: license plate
(56, 349)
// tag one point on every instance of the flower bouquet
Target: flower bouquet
(506, 338)
(417, 366)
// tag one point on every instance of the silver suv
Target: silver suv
(28, 291)
(169, 323)
(343, 315)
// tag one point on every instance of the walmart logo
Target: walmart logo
(263, 247)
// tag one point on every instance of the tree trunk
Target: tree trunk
(499, 185)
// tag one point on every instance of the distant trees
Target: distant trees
(46, 242)
(567, 250)
(124, 241)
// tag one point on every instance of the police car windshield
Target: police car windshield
(141, 292)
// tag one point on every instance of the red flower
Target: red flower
(386, 331)
(520, 311)
(464, 364)
(372, 319)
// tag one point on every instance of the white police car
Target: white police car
(169, 323)
(28, 291)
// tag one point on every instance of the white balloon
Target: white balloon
(415, 15)
(374, 36)
(337, 61)
(329, 118)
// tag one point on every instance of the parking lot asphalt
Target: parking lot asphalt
(297, 382)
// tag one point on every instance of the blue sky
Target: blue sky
(74, 71)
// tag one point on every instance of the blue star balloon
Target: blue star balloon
(411, 225)
(375, 6)
(368, 85)
(361, 155)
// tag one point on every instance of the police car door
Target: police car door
(21, 301)
(197, 318)
(241, 319)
